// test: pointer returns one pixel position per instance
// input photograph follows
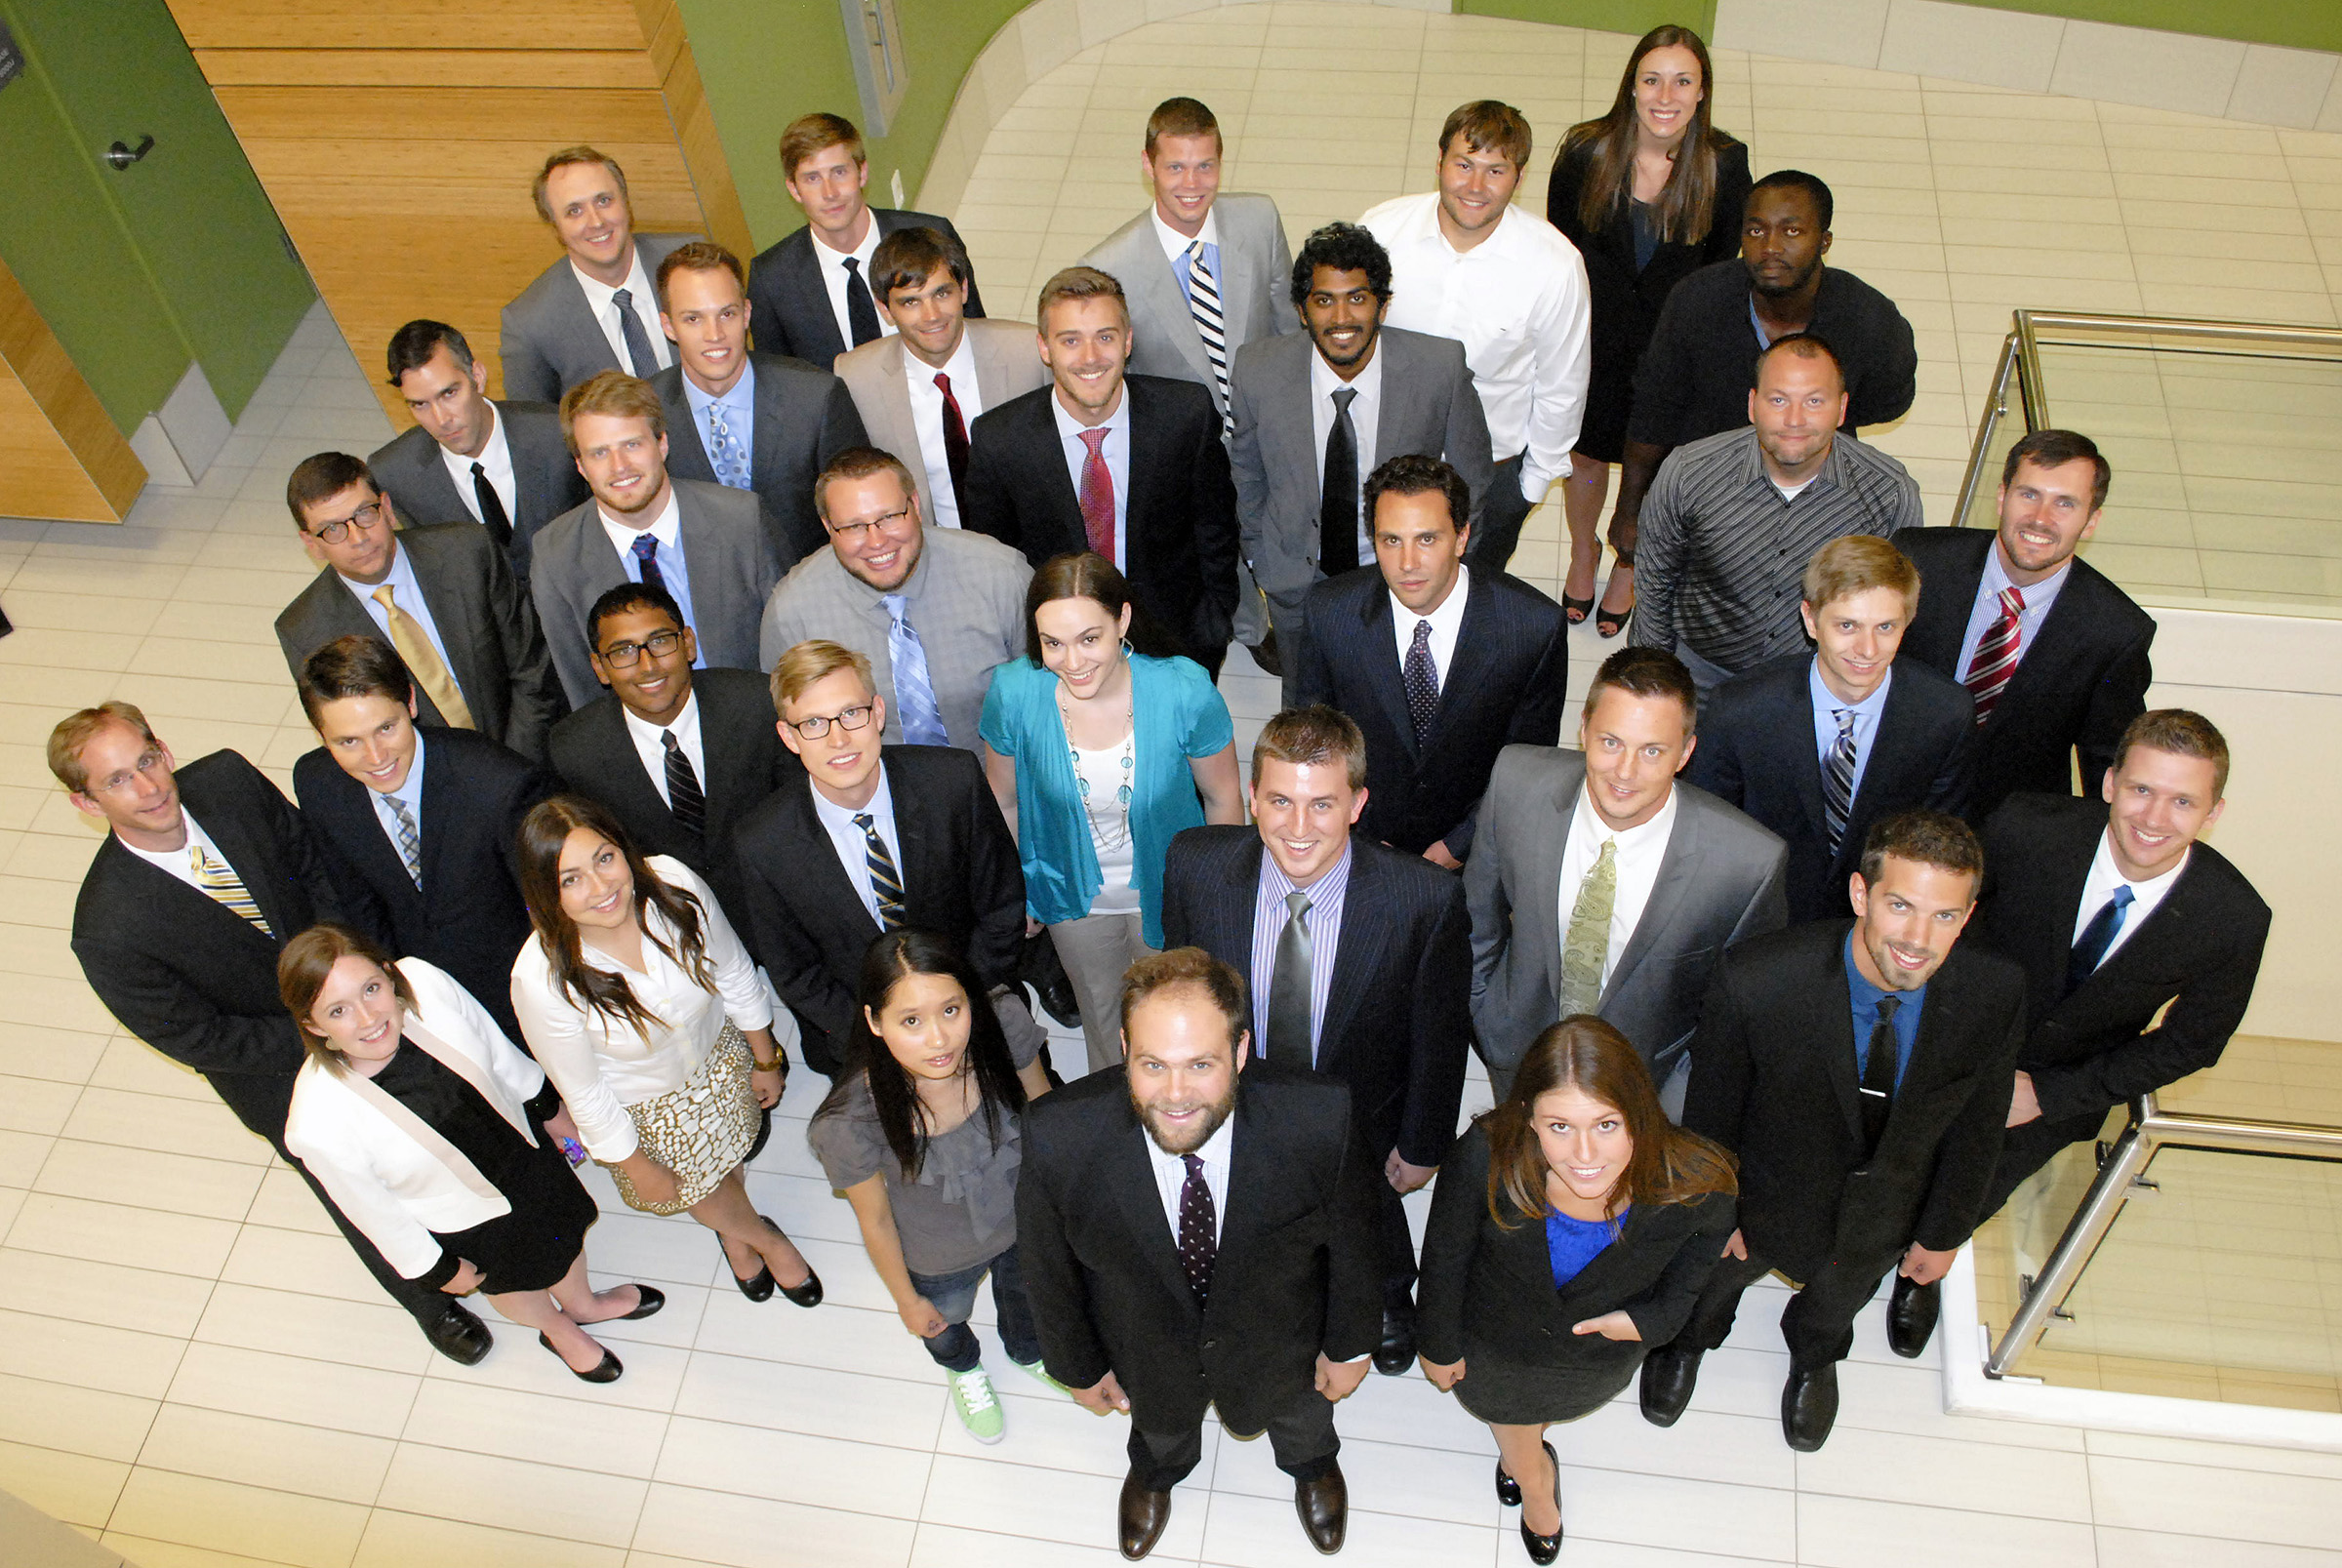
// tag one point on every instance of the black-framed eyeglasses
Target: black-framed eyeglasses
(364, 518)
(658, 644)
(851, 718)
(856, 533)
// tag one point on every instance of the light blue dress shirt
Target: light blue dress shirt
(1825, 708)
(1183, 267)
(1865, 998)
(408, 794)
(406, 590)
(853, 849)
(740, 415)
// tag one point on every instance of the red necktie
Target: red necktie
(1097, 496)
(955, 437)
(1995, 656)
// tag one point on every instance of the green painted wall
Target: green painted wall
(767, 62)
(2297, 23)
(138, 273)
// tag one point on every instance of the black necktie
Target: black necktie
(1338, 498)
(683, 796)
(2090, 949)
(1198, 1246)
(638, 342)
(861, 313)
(1878, 1074)
(646, 551)
(1289, 987)
(492, 509)
(1421, 682)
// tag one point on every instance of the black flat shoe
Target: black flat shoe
(759, 1286)
(652, 1299)
(607, 1371)
(808, 1294)
(1669, 1374)
(1544, 1549)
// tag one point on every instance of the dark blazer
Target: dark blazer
(809, 927)
(1757, 751)
(2079, 683)
(1485, 1285)
(789, 305)
(805, 417)
(1773, 1080)
(467, 917)
(2198, 954)
(549, 340)
(1180, 516)
(545, 477)
(181, 971)
(1396, 1025)
(1297, 1274)
(738, 732)
(1504, 687)
(495, 647)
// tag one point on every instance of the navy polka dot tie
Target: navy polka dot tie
(1197, 1245)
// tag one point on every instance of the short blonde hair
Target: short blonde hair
(76, 730)
(1857, 564)
(578, 154)
(815, 659)
(613, 393)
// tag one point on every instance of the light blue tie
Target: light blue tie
(730, 457)
(914, 692)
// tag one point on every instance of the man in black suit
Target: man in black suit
(1360, 961)
(1441, 665)
(1860, 1071)
(499, 463)
(441, 595)
(812, 291)
(866, 839)
(593, 309)
(202, 879)
(1128, 466)
(2053, 653)
(753, 422)
(1195, 1237)
(419, 827)
(667, 733)
(1818, 748)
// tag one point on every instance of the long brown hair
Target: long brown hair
(301, 975)
(1685, 210)
(542, 834)
(1669, 1165)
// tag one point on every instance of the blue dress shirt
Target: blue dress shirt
(739, 416)
(1827, 708)
(1865, 998)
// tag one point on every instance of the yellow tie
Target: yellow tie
(424, 662)
(220, 880)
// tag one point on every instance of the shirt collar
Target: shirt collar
(1069, 429)
(1327, 888)
(1214, 1153)
(1587, 827)
(960, 367)
(410, 788)
(1753, 472)
(400, 576)
(599, 295)
(740, 401)
(881, 808)
(1175, 244)
(685, 729)
(2105, 873)
(1867, 996)
(667, 527)
(1826, 700)
(1448, 620)
(2037, 596)
(1323, 382)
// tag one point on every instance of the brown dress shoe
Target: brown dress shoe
(1325, 1508)
(1143, 1515)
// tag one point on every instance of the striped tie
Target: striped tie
(1203, 303)
(886, 885)
(1995, 656)
(220, 880)
(1837, 779)
(409, 842)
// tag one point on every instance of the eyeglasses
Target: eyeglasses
(851, 718)
(658, 644)
(364, 518)
(150, 762)
(856, 533)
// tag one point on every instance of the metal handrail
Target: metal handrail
(2119, 1175)
(1996, 409)
(2031, 325)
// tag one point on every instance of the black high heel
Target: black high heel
(607, 1371)
(1543, 1549)
(1575, 611)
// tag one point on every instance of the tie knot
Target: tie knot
(1423, 633)
(863, 820)
(382, 596)
(853, 265)
(1344, 397)
(667, 738)
(2123, 896)
(646, 546)
(894, 603)
(625, 298)
(478, 473)
(1845, 720)
(1194, 1163)
(1886, 1008)
(1609, 853)
(1095, 440)
(2012, 601)
(942, 383)
(1296, 903)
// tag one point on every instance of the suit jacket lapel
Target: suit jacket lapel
(1831, 1005)
(731, 785)
(772, 422)
(832, 888)
(576, 317)
(1160, 283)
(1145, 458)
(1679, 867)
(894, 392)
(1798, 720)
(1253, 1170)
(1056, 482)
(825, 341)
(255, 864)
(1363, 949)
(1476, 649)
(458, 616)
(1382, 663)
(1125, 1167)
(623, 769)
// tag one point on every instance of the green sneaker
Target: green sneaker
(1037, 1370)
(976, 1405)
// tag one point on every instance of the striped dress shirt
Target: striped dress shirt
(1327, 895)
(1721, 562)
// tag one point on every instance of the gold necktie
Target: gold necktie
(425, 664)
(1585, 948)
(220, 880)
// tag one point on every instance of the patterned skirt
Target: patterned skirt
(702, 1131)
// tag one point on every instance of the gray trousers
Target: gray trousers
(1097, 949)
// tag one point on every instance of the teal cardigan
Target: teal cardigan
(1176, 714)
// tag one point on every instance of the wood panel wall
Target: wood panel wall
(61, 455)
(398, 141)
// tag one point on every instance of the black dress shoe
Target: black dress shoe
(460, 1335)
(1142, 1516)
(1809, 1407)
(1039, 966)
(652, 1299)
(1543, 1549)
(1669, 1374)
(607, 1370)
(1268, 655)
(1397, 1351)
(1911, 1314)
(1324, 1504)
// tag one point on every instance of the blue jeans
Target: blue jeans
(954, 1296)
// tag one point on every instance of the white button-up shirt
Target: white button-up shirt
(1636, 863)
(1445, 621)
(832, 264)
(650, 743)
(1171, 1175)
(939, 502)
(2099, 886)
(496, 461)
(181, 862)
(602, 301)
(853, 846)
(1365, 412)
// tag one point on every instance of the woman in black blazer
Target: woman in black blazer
(1648, 194)
(1571, 1228)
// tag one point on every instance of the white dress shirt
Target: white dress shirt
(650, 743)
(496, 461)
(2099, 886)
(602, 301)
(406, 591)
(1116, 450)
(1636, 863)
(939, 502)
(1365, 414)
(1987, 608)
(179, 863)
(833, 264)
(602, 1065)
(853, 848)
(1446, 621)
(1518, 303)
(1171, 1176)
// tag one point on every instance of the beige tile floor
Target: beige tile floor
(194, 1372)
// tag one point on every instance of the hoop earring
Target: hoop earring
(1127, 648)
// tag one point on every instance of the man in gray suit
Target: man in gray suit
(500, 464)
(1658, 878)
(934, 610)
(1317, 411)
(594, 309)
(710, 547)
(920, 388)
(440, 594)
(763, 422)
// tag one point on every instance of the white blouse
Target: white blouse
(602, 1065)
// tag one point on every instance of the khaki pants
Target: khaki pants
(1095, 951)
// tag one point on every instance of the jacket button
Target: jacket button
(1211, 1344)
